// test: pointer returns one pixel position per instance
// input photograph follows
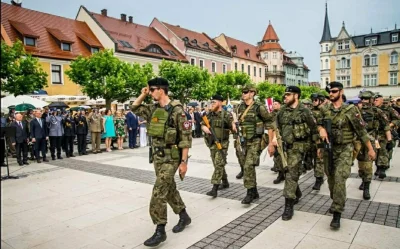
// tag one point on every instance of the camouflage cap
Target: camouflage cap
(250, 87)
(386, 100)
(306, 102)
(366, 95)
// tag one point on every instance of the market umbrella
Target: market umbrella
(58, 105)
(77, 108)
(193, 104)
(21, 99)
(24, 107)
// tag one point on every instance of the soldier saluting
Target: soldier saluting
(220, 122)
(252, 118)
(171, 139)
(346, 122)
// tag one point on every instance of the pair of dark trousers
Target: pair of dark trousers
(55, 143)
(81, 144)
(22, 148)
(132, 138)
(40, 146)
(69, 145)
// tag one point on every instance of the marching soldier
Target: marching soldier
(278, 165)
(375, 120)
(346, 122)
(297, 126)
(171, 139)
(384, 153)
(220, 122)
(252, 118)
(317, 102)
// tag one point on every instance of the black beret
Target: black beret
(378, 96)
(292, 89)
(158, 82)
(334, 84)
(217, 97)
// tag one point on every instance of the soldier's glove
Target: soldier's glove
(389, 146)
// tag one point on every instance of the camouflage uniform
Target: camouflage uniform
(375, 120)
(170, 132)
(297, 126)
(346, 122)
(318, 162)
(278, 164)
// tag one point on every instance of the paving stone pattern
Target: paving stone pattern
(270, 205)
(387, 179)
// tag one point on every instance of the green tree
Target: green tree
(230, 83)
(20, 72)
(186, 82)
(103, 75)
(268, 90)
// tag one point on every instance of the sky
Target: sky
(298, 23)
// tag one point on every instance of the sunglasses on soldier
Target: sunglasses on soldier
(333, 91)
(245, 92)
(152, 89)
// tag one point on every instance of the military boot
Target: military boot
(288, 212)
(335, 223)
(382, 173)
(298, 195)
(184, 220)
(158, 237)
(318, 182)
(249, 196)
(361, 186)
(224, 185)
(255, 193)
(274, 169)
(378, 170)
(366, 194)
(240, 175)
(280, 178)
(214, 191)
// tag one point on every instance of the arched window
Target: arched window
(366, 60)
(326, 47)
(394, 58)
(374, 61)
(326, 64)
(343, 63)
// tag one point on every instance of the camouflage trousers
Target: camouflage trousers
(382, 157)
(295, 156)
(318, 163)
(342, 155)
(240, 156)
(278, 161)
(251, 159)
(307, 163)
(391, 151)
(219, 161)
(164, 191)
(364, 164)
(357, 147)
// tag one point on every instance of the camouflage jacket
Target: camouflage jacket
(392, 115)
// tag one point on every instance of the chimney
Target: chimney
(130, 19)
(17, 3)
(123, 17)
(104, 12)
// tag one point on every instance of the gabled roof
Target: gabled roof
(270, 33)
(241, 48)
(134, 38)
(196, 40)
(270, 46)
(49, 31)
(326, 33)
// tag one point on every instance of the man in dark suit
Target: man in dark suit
(132, 122)
(197, 118)
(39, 135)
(81, 131)
(20, 141)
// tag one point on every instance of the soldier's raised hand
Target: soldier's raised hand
(145, 90)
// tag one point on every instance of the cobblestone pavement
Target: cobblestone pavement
(270, 205)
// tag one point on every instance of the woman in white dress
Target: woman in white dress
(142, 132)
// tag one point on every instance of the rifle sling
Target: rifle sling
(245, 112)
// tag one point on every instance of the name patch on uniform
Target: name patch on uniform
(186, 125)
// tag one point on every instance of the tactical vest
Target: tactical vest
(370, 117)
(342, 133)
(294, 125)
(160, 127)
(252, 125)
(219, 124)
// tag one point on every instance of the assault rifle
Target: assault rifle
(213, 137)
(150, 151)
(327, 124)
(281, 149)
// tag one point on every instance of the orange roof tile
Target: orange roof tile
(270, 34)
(202, 39)
(241, 47)
(270, 46)
(139, 37)
(37, 23)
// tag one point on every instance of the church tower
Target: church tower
(326, 47)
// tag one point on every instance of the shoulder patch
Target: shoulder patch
(186, 125)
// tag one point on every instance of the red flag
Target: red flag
(269, 104)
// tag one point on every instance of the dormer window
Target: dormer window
(346, 44)
(247, 52)
(153, 48)
(374, 41)
(395, 37)
(186, 40)
(30, 41)
(367, 42)
(94, 50)
(234, 49)
(194, 41)
(206, 45)
(340, 46)
(66, 46)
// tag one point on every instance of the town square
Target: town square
(169, 125)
